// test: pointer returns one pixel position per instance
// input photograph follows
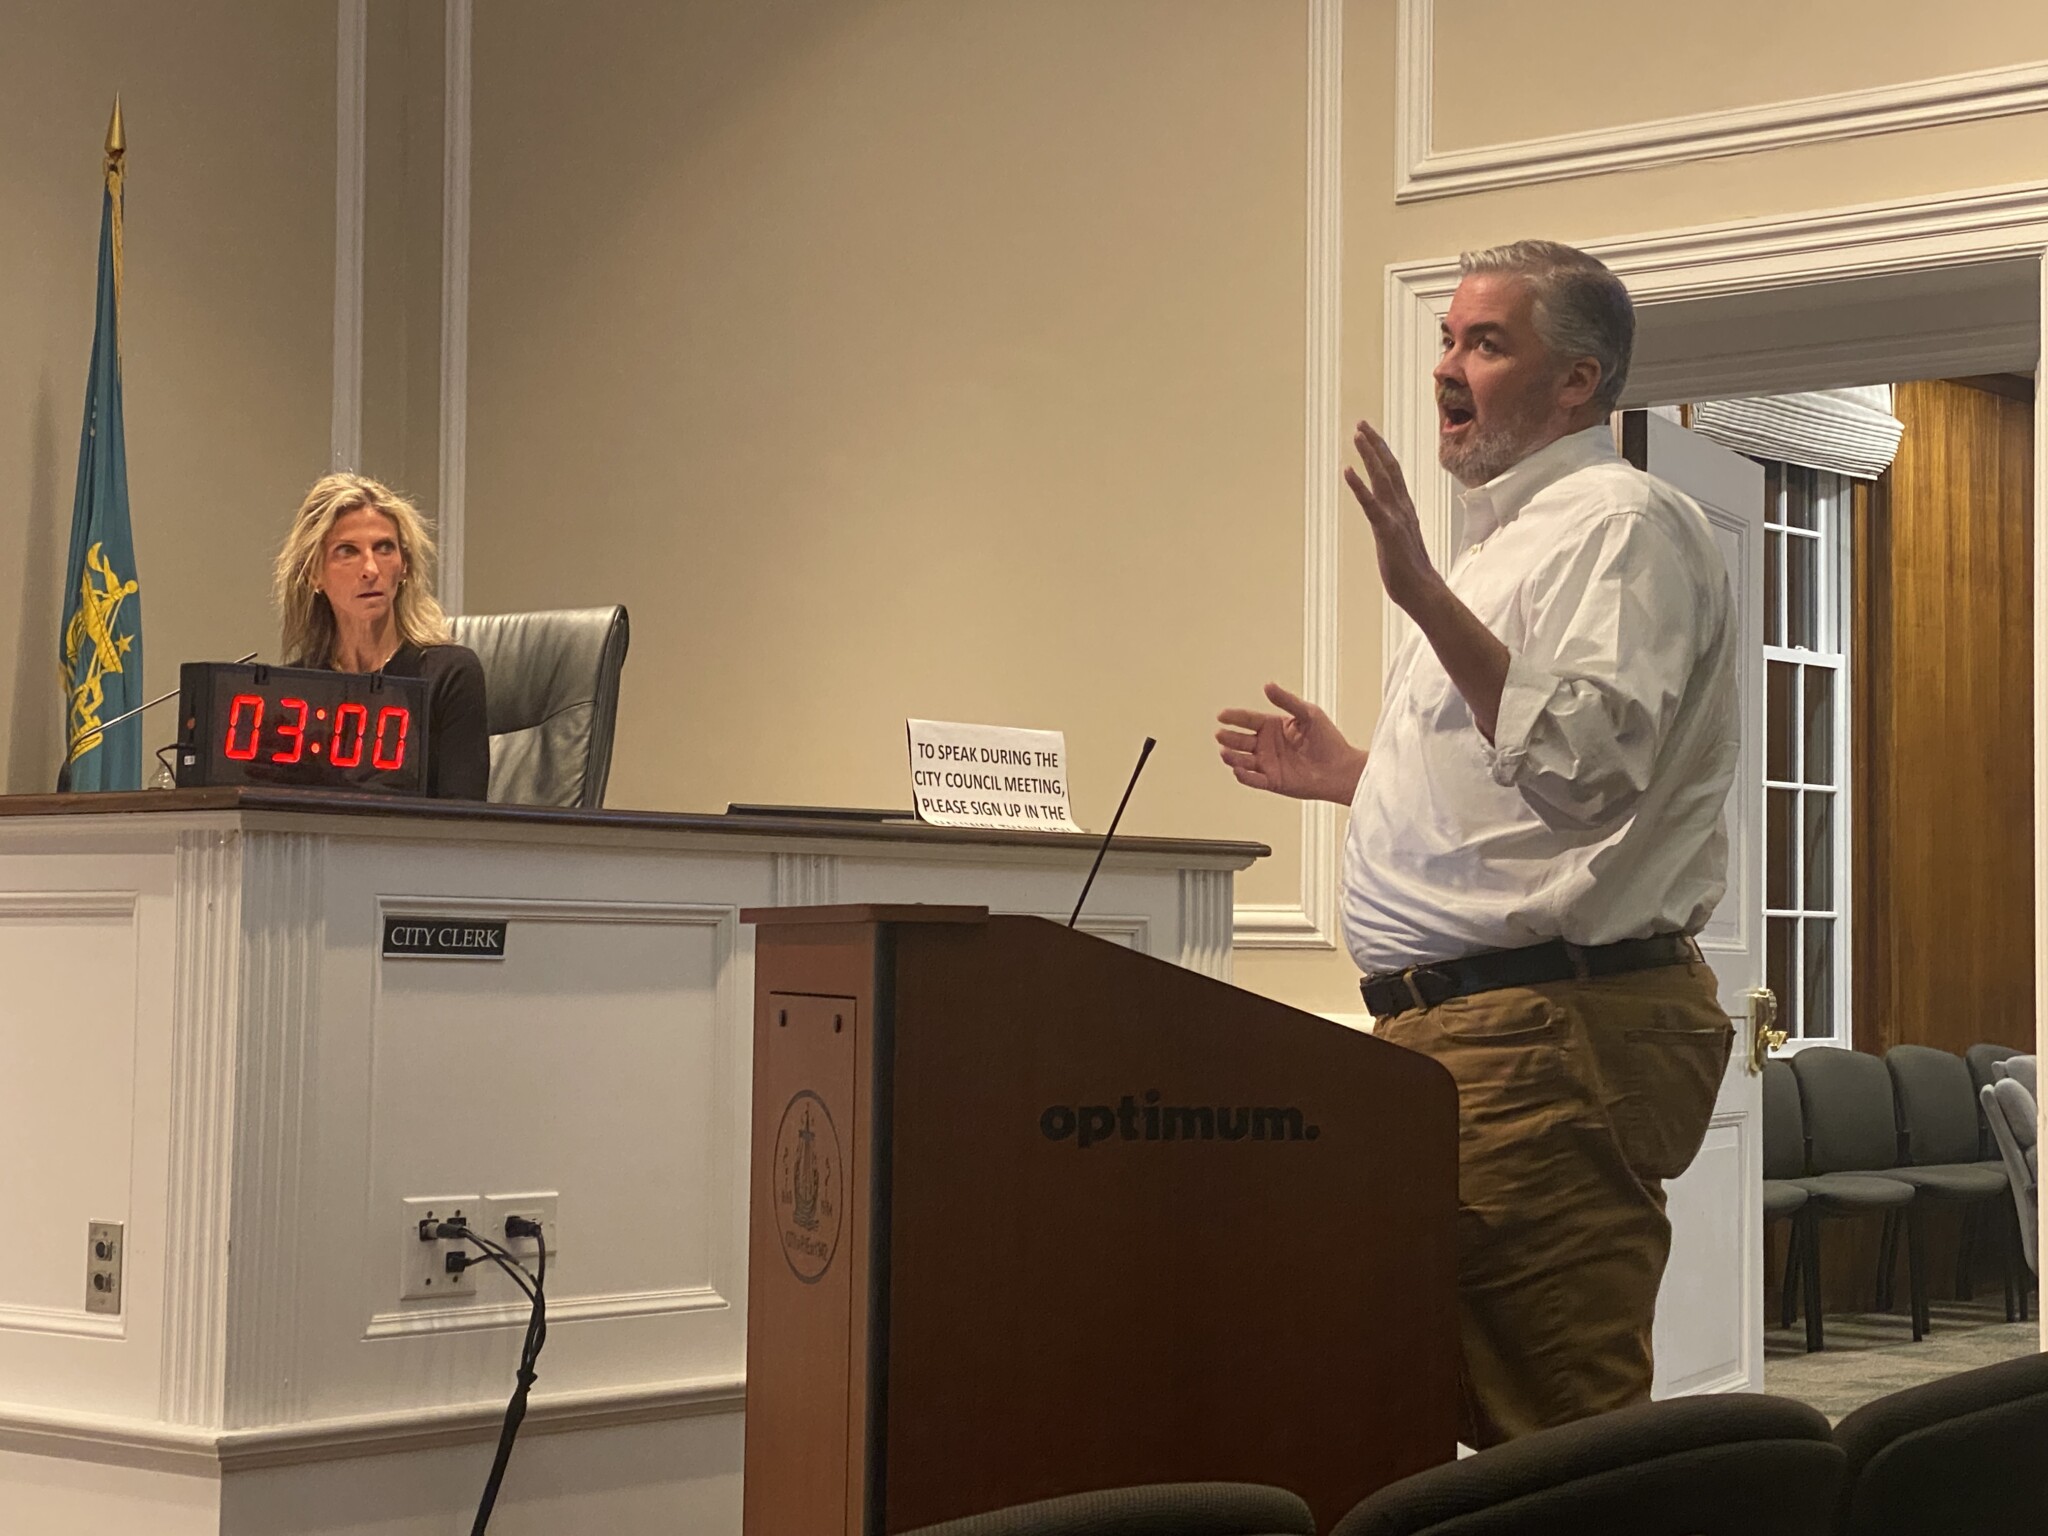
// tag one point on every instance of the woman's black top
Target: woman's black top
(458, 737)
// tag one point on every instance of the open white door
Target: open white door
(1709, 1333)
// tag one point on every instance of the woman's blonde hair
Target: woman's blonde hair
(307, 619)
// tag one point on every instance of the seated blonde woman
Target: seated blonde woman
(355, 595)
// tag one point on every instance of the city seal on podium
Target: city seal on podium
(807, 1184)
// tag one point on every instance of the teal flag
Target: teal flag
(101, 659)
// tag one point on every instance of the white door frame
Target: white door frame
(1926, 245)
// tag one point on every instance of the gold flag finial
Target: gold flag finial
(117, 150)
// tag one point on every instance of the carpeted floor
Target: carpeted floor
(1873, 1353)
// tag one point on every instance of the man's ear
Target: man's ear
(1581, 382)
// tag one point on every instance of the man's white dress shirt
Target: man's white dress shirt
(1596, 815)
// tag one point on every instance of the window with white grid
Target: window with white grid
(1806, 824)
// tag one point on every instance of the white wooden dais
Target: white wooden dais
(200, 1039)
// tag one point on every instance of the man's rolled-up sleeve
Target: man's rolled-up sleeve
(1612, 636)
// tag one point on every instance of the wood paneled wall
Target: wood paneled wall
(1941, 676)
(1942, 669)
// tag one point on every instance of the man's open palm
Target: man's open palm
(1300, 753)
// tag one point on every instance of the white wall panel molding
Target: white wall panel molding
(730, 1046)
(145, 1443)
(284, 937)
(66, 906)
(1724, 262)
(1205, 922)
(1132, 931)
(1311, 922)
(806, 879)
(62, 1321)
(207, 916)
(447, 1319)
(350, 124)
(532, 909)
(451, 506)
(1426, 172)
(45, 909)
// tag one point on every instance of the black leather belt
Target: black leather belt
(1425, 986)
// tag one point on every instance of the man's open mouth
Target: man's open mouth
(1453, 415)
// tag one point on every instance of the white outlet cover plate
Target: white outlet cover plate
(423, 1267)
(537, 1205)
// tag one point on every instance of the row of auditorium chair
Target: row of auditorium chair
(1957, 1457)
(1849, 1134)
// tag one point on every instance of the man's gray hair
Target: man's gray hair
(1581, 310)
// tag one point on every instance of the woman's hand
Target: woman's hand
(1301, 753)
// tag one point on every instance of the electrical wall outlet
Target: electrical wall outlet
(534, 1205)
(423, 1262)
(104, 1245)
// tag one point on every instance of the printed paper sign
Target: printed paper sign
(989, 776)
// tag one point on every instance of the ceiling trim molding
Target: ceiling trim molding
(1425, 172)
(1751, 256)
(1311, 921)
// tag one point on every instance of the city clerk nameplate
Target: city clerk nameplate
(444, 938)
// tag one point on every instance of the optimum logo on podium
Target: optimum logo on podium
(1088, 1125)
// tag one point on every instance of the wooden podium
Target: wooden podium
(1032, 1213)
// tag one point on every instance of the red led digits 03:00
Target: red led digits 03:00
(243, 738)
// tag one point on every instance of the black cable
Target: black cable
(529, 1355)
(502, 1257)
(518, 1276)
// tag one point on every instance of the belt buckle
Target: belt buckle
(1439, 989)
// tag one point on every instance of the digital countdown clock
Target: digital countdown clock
(255, 724)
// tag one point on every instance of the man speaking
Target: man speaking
(1536, 831)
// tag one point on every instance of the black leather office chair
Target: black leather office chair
(1159, 1509)
(1958, 1455)
(1735, 1464)
(551, 682)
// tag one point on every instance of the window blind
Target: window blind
(1846, 431)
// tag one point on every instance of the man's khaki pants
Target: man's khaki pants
(1576, 1100)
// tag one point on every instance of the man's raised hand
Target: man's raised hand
(1300, 753)
(1406, 570)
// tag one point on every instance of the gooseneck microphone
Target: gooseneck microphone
(108, 725)
(1143, 753)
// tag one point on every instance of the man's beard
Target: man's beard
(1492, 450)
(1483, 454)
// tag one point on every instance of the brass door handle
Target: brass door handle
(1763, 1013)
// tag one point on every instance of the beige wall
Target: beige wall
(894, 360)
(886, 357)
(227, 316)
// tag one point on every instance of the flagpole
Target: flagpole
(100, 643)
(117, 150)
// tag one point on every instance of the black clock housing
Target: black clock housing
(249, 723)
